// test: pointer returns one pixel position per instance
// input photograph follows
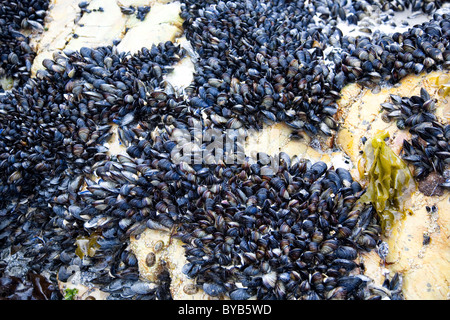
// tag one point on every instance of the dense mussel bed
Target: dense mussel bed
(16, 55)
(290, 231)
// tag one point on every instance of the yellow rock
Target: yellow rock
(273, 139)
(6, 83)
(67, 28)
(100, 27)
(182, 74)
(59, 25)
(425, 267)
(161, 24)
(157, 251)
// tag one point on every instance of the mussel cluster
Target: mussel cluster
(52, 140)
(293, 235)
(428, 150)
(17, 18)
(288, 60)
(141, 11)
(250, 228)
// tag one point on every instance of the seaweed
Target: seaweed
(390, 182)
(442, 83)
(70, 294)
(87, 246)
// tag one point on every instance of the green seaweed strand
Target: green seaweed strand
(390, 181)
(70, 294)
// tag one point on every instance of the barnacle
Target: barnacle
(390, 182)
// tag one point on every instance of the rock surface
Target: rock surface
(425, 265)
